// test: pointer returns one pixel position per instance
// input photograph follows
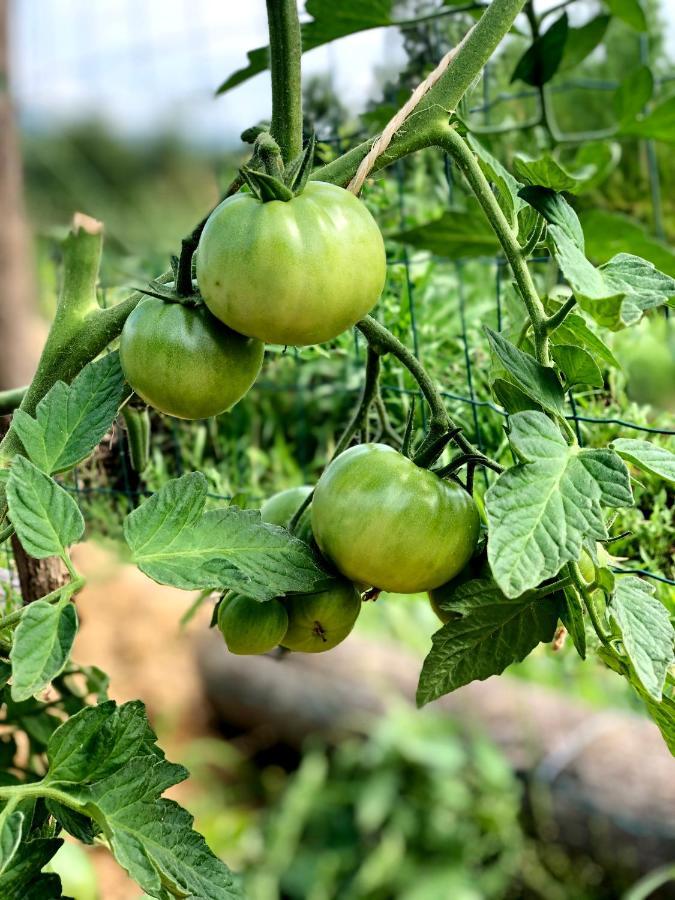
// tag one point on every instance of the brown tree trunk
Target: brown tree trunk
(37, 577)
(18, 347)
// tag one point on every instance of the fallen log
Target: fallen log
(598, 781)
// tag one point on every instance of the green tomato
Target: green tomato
(384, 521)
(296, 272)
(320, 621)
(184, 362)
(78, 875)
(250, 626)
(280, 508)
(478, 567)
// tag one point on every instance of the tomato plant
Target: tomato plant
(184, 362)
(389, 524)
(294, 272)
(292, 256)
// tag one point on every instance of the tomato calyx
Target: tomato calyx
(272, 181)
(168, 294)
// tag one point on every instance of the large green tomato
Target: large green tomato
(296, 272)
(280, 508)
(249, 626)
(384, 521)
(184, 362)
(320, 621)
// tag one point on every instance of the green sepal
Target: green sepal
(266, 187)
(298, 171)
(168, 293)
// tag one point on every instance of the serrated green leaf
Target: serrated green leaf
(153, 838)
(175, 542)
(633, 94)
(582, 41)
(457, 234)
(30, 857)
(545, 171)
(42, 643)
(71, 419)
(646, 632)
(507, 186)
(493, 632)
(541, 510)
(537, 381)
(577, 366)
(511, 397)
(556, 210)
(642, 283)
(98, 741)
(630, 12)
(572, 617)
(647, 456)
(78, 825)
(574, 330)
(542, 58)
(45, 517)
(11, 829)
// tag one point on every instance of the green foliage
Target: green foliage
(491, 632)
(174, 541)
(413, 810)
(543, 494)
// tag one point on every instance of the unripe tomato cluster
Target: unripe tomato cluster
(299, 271)
(381, 522)
(295, 272)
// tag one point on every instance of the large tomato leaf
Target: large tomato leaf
(174, 541)
(44, 515)
(41, 646)
(647, 456)
(646, 632)
(492, 632)
(541, 510)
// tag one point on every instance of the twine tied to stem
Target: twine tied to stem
(382, 142)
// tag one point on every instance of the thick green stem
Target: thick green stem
(441, 423)
(456, 147)
(285, 56)
(81, 329)
(422, 127)
(558, 317)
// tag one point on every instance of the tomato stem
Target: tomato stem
(560, 315)
(368, 395)
(459, 150)
(421, 129)
(285, 69)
